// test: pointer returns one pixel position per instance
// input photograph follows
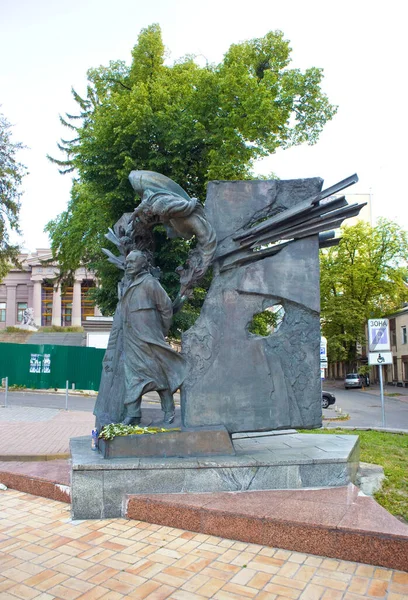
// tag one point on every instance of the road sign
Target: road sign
(380, 358)
(323, 355)
(323, 348)
(379, 335)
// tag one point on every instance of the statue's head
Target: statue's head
(135, 263)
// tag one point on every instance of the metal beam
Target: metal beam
(301, 208)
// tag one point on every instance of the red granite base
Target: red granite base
(334, 522)
(49, 479)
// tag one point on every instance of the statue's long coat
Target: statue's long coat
(150, 363)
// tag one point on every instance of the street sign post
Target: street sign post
(380, 354)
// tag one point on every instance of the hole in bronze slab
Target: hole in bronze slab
(268, 321)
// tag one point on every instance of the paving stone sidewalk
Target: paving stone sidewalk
(45, 431)
(44, 555)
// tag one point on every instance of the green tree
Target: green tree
(191, 123)
(11, 174)
(362, 278)
(263, 322)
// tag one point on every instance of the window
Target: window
(66, 314)
(66, 306)
(2, 312)
(87, 304)
(404, 338)
(47, 290)
(21, 307)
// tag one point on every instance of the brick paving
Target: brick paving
(46, 555)
(30, 431)
(30, 414)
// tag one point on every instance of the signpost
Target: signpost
(379, 351)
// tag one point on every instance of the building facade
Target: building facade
(398, 371)
(35, 286)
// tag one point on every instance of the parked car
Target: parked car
(353, 380)
(327, 399)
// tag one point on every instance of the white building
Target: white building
(398, 371)
(35, 286)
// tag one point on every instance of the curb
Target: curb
(380, 429)
(36, 486)
(32, 457)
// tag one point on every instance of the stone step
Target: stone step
(46, 478)
(335, 522)
(97, 326)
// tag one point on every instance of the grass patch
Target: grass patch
(390, 450)
(15, 330)
(343, 417)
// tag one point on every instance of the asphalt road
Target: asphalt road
(151, 409)
(363, 406)
(47, 400)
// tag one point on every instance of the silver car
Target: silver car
(353, 380)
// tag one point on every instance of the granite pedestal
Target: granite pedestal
(262, 461)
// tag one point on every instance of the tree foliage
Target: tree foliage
(11, 174)
(263, 323)
(364, 277)
(191, 123)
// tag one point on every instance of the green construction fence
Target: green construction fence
(46, 366)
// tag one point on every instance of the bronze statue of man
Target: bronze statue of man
(150, 364)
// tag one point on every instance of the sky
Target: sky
(47, 46)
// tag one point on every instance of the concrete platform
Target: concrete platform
(263, 462)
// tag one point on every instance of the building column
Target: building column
(56, 306)
(76, 305)
(11, 306)
(30, 295)
(37, 302)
